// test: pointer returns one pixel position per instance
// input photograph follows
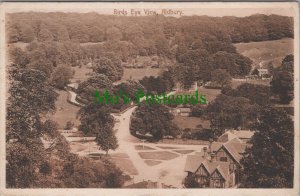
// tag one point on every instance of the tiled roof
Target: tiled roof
(227, 136)
(224, 169)
(193, 162)
(216, 146)
(235, 147)
(231, 134)
(244, 134)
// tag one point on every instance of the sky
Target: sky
(188, 9)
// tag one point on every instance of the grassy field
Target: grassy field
(141, 147)
(64, 111)
(183, 142)
(152, 162)
(184, 122)
(210, 94)
(138, 74)
(184, 151)
(236, 83)
(159, 155)
(266, 51)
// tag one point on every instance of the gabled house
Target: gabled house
(210, 173)
(262, 72)
(219, 167)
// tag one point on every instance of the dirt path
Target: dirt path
(170, 172)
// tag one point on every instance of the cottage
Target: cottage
(262, 72)
(219, 167)
(210, 173)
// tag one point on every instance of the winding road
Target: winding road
(169, 172)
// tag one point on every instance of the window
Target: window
(224, 159)
(218, 183)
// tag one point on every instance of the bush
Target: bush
(69, 125)
(190, 182)
(197, 111)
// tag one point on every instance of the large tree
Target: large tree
(96, 120)
(282, 83)
(86, 90)
(107, 140)
(269, 162)
(129, 88)
(111, 67)
(155, 120)
(221, 77)
(61, 76)
(95, 117)
(30, 95)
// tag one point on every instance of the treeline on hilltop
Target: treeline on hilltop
(197, 45)
(93, 27)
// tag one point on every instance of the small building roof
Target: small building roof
(227, 136)
(216, 146)
(235, 147)
(193, 162)
(262, 69)
(243, 134)
(231, 134)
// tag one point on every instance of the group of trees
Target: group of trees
(200, 44)
(37, 154)
(29, 162)
(257, 94)
(269, 162)
(160, 84)
(206, 56)
(96, 120)
(93, 27)
(154, 120)
(203, 49)
(227, 112)
(282, 83)
(236, 108)
(110, 66)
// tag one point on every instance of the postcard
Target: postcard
(149, 98)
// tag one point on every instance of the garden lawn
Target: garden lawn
(184, 122)
(64, 111)
(159, 155)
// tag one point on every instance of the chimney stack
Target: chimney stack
(209, 146)
(204, 151)
(212, 157)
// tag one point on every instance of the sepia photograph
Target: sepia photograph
(101, 98)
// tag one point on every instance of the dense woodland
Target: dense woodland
(201, 49)
(198, 44)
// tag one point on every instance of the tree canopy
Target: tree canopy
(155, 120)
(269, 162)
